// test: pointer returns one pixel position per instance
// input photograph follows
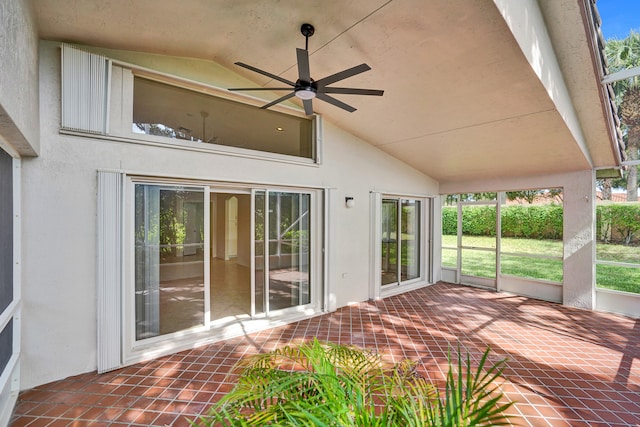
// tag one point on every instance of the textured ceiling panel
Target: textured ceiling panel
(461, 101)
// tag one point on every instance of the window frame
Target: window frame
(119, 113)
(521, 285)
(134, 350)
(558, 258)
(377, 289)
(610, 263)
(208, 92)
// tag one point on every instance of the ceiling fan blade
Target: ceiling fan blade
(279, 100)
(265, 73)
(351, 91)
(303, 65)
(260, 88)
(333, 101)
(308, 106)
(342, 75)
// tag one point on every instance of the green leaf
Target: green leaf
(324, 384)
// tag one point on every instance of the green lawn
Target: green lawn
(618, 278)
(478, 263)
(510, 244)
(619, 253)
(482, 263)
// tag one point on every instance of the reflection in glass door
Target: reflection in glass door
(288, 249)
(389, 242)
(259, 228)
(400, 223)
(410, 227)
(169, 259)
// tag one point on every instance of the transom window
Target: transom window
(103, 97)
(164, 110)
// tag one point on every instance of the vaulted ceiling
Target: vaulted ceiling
(461, 100)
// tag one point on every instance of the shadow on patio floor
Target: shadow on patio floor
(566, 367)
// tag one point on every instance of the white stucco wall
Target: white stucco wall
(59, 201)
(578, 225)
(19, 131)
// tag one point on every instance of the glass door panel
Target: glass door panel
(288, 249)
(410, 240)
(389, 264)
(169, 259)
(400, 241)
(259, 252)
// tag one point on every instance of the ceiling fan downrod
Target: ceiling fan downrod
(307, 31)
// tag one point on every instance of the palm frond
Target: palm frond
(325, 384)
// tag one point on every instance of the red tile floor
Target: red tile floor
(566, 367)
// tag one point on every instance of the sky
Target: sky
(619, 17)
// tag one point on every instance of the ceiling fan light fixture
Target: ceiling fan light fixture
(305, 93)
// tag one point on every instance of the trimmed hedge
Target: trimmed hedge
(449, 220)
(616, 223)
(531, 222)
(479, 221)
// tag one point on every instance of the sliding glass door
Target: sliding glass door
(400, 241)
(211, 255)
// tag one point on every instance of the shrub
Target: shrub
(324, 384)
(618, 223)
(625, 221)
(532, 222)
(479, 221)
(449, 220)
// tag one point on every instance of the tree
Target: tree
(552, 194)
(621, 55)
(605, 187)
(528, 195)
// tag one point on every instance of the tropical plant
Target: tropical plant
(621, 55)
(324, 384)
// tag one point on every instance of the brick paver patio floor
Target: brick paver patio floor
(566, 367)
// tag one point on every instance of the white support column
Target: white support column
(376, 237)
(578, 231)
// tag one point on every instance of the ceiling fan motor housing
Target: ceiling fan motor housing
(305, 90)
(307, 30)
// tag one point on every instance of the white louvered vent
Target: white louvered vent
(85, 91)
(109, 266)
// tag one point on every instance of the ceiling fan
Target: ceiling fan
(306, 88)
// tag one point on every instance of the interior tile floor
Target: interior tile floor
(566, 367)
